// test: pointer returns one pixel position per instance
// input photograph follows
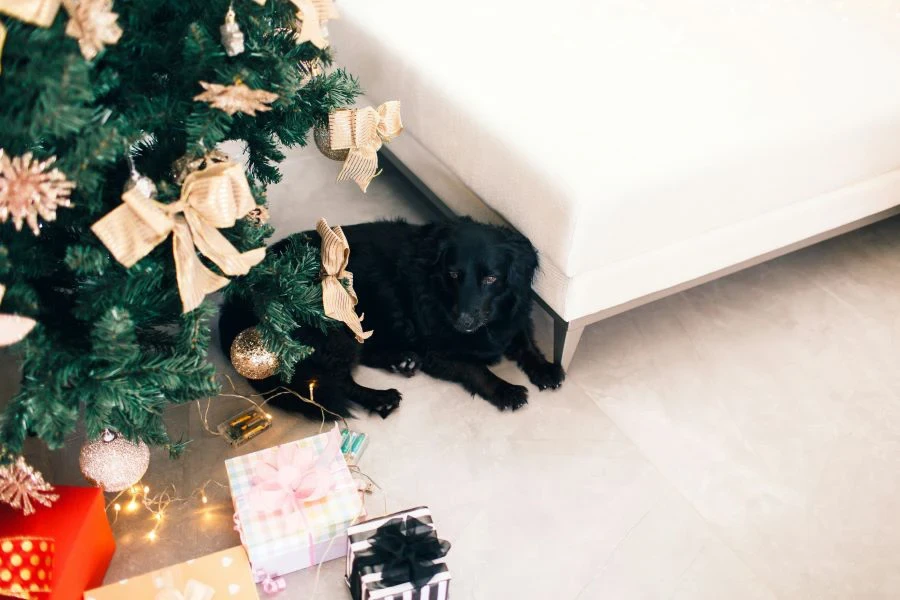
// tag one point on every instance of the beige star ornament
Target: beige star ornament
(236, 98)
(93, 24)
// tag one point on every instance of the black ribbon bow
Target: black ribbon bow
(405, 551)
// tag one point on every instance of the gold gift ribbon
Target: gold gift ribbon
(211, 199)
(36, 12)
(363, 131)
(314, 13)
(339, 301)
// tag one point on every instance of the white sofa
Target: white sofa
(644, 146)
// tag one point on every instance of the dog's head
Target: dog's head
(481, 273)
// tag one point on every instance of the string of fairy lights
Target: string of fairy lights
(138, 499)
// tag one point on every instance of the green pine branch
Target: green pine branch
(112, 348)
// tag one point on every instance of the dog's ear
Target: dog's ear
(437, 242)
(523, 259)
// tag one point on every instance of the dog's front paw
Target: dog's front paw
(546, 375)
(386, 402)
(407, 364)
(509, 396)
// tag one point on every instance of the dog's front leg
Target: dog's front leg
(383, 402)
(541, 372)
(477, 379)
(405, 363)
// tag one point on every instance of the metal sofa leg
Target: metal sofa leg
(566, 336)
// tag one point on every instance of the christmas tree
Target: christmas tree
(112, 218)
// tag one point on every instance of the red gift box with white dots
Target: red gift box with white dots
(26, 566)
(78, 540)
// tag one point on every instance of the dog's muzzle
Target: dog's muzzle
(466, 323)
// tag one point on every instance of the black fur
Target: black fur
(427, 293)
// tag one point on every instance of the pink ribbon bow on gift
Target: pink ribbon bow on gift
(290, 477)
(271, 582)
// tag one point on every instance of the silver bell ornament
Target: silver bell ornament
(142, 183)
(114, 463)
(232, 36)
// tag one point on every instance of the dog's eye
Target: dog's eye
(489, 280)
(453, 274)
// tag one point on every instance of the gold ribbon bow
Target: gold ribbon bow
(2, 41)
(36, 12)
(338, 301)
(13, 328)
(363, 131)
(314, 13)
(211, 199)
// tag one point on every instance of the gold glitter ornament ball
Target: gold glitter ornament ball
(250, 357)
(323, 143)
(114, 463)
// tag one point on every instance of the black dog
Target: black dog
(448, 299)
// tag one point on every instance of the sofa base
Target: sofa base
(451, 197)
(567, 334)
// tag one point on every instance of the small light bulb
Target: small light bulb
(269, 416)
(204, 499)
(131, 506)
(152, 536)
(146, 489)
(158, 516)
(133, 490)
(117, 507)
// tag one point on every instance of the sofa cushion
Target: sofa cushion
(606, 130)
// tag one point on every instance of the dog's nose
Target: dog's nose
(465, 322)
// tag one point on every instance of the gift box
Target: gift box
(78, 537)
(26, 566)
(223, 574)
(294, 502)
(397, 557)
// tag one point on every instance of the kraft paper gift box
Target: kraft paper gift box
(223, 575)
(398, 557)
(294, 502)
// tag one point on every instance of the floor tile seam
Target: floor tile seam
(713, 529)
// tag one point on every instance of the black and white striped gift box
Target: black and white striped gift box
(437, 588)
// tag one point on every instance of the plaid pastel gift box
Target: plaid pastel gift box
(397, 557)
(294, 502)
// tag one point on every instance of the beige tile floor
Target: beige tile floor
(740, 440)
